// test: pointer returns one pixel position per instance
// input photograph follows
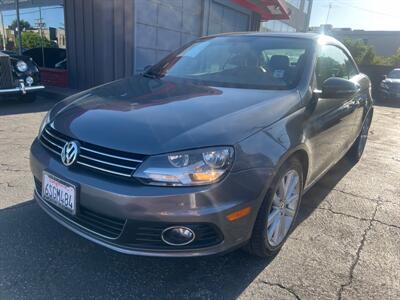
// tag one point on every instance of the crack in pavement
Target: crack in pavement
(291, 291)
(342, 214)
(386, 224)
(358, 253)
(357, 196)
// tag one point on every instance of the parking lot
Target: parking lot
(346, 244)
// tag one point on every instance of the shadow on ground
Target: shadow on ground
(39, 258)
(392, 103)
(14, 106)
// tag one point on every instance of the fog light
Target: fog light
(177, 236)
(29, 80)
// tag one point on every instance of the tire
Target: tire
(356, 151)
(262, 243)
(28, 97)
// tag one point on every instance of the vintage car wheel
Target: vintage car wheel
(28, 97)
(278, 212)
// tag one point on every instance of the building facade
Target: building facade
(300, 13)
(385, 43)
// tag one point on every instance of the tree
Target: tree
(33, 40)
(24, 25)
(362, 53)
(395, 59)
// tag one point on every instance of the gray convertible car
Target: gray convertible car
(209, 150)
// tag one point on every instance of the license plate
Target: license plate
(58, 192)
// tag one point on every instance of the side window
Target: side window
(333, 62)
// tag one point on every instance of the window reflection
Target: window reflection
(42, 31)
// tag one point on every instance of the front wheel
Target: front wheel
(357, 150)
(277, 214)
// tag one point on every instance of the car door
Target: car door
(331, 126)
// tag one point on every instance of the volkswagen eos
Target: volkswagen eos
(209, 150)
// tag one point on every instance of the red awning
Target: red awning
(267, 9)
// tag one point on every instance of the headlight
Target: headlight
(21, 66)
(45, 121)
(187, 168)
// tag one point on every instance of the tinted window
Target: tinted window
(243, 62)
(395, 74)
(333, 62)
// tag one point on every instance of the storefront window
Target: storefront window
(42, 32)
(295, 3)
(276, 26)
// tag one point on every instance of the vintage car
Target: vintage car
(19, 76)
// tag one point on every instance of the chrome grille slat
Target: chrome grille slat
(48, 148)
(104, 170)
(90, 158)
(6, 77)
(58, 146)
(113, 156)
(107, 163)
(56, 137)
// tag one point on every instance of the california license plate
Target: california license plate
(59, 192)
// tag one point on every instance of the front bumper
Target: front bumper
(22, 89)
(150, 206)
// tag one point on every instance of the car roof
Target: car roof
(301, 35)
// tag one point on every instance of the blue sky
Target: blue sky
(53, 16)
(358, 14)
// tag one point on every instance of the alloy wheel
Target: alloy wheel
(283, 209)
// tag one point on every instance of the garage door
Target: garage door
(226, 19)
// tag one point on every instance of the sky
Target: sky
(358, 14)
(53, 16)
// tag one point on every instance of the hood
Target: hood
(152, 116)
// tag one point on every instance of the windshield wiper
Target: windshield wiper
(152, 75)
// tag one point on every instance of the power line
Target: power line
(368, 10)
(345, 4)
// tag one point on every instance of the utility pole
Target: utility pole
(18, 28)
(41, 24)
(329, 12)
(3, 32)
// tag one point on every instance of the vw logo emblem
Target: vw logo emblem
(69, 153)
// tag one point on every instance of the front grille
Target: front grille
(106, 226)
(147, 235)
(6, 77)
(94, 157)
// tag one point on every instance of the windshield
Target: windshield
(242, 62)
(395, 74)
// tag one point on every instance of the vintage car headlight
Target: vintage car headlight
(21, 66)
(186, 168)
(45, 121)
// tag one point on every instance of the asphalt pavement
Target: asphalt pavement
(346, 244)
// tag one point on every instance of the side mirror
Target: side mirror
(339, 88)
